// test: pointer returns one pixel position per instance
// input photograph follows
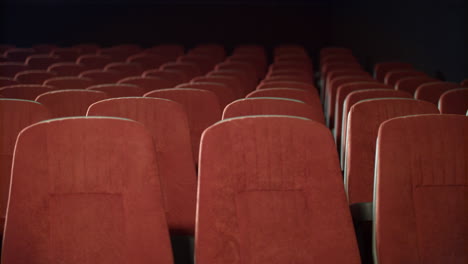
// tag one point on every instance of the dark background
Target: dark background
(430, 34)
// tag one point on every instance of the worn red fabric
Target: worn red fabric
(7, 81)
(337, 73)
(421, 190)
(102, 76)
(167, 123)
(431, 92)
(382, 68)
(270, 191)
(201, 106)
(454, 101)
(69, 83)
(68, 68)
(410, 84)
(331, 90)
(94, 61)
(10, 69)
(392, 77)
(14, 116)
(225, 94)
(77, 196)
(147, 83)
(65, 103)
(25, 91)
(34, 76)
(357, 96)
(334, 66)
(364, 119)
(341, 93)
(230, 81)
(305, 96)
(125, 69)
(272, 106)
(118, 90)
(41, 62)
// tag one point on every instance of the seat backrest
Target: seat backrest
(44, 48)
(230, 81)
(270, 191)
(6, 81)
(42, 62)
(147, 61)
(87, 48)
(67, 68)
(66, 54)
(272, 106)
(10, 69)
(454, 101)
(392, 77)
(421, 191)
(202, 108)
(357, 96)
(288, 84)
(34, 76)
(94, 61)
(341, 93)
(305, 96)
(174, 77)
(382, 68)
(167, 122)
(25, 91)
(147, 83)
(126, 69)
(14, 116)
(364, 119)
(69, 83)
(410, 84)
(191, 70)
(70, 177)
(102, 76)
(431, 92)
(118, 90)
(65, 103)
(225, 94)
(19, 54)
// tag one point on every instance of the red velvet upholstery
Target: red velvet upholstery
(68, 68)
(147, 61)
(205, 63)
(242, 79)
(167, 123)
(147, 83)
(331, 90)
(305, 96)
(230, 81)
(272, 106)
(421, 190)
(340, 73)
(201, 106)
(270, 191)
(77, 196)
(6, 81)
(34, 76)
(191, 70)
(126, 69)
(381, 69)
(25, 91)
(288, 84)
(225, 94)
(410, 84)
(454, 101)
(94, 61)
(248, 69)
(118, 90)
(41, 62)
(341, 94)
(102, 76)
(295, 78)
(14, 116)
(174, 77)
(19, 54)
(293, 72)
(364, 120)
(10, 69)
(259, 62)
(392, 77)
(431, 92)
(64, 103)
(69, 83)
(66, 54)
(281, 65)
(360, 95)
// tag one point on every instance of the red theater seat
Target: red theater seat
(66, 54)
(79, 197)
(147, 83)
(44, 48)
(201, 106)
(454, 101)
(101, 76)
(34, 77)
(392, 77)
(272, 106)
(421, 195)
(94, 61)
(118, 90)
(204, 62)
(381, 69)
(14, 116)
(305, 96)
(247, 68)
(167, 123)
(6, 81)
(431, 92)
(174, 77)
(68, 83)
(5, 47)
(270, 191)
(410, 84)
(225, 94)
(230, 81)
(10, 69)
(18, 54)
(147, 61)
(169, 51)
(117, 54)
(24, 91)
(357, 96)
(41, 62)
(245, 83)
(288, 84)
(68, 68)
(64, 103)
(191, 70)
(364, 119)
(87, 48)
(125, 69)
